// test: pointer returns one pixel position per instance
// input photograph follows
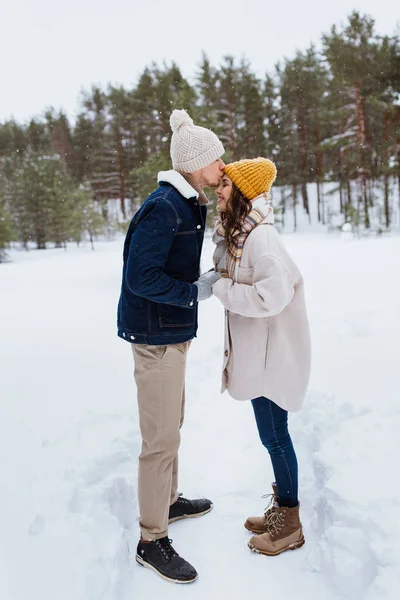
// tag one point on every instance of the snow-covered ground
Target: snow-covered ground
(69, 437)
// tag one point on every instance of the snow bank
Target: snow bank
(69, 437)
(351, 433)
(68, 440)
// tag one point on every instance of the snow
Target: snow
(69, 436)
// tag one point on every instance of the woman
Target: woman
(267, 340)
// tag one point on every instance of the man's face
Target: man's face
(211, 175)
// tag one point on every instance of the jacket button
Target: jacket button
(226, 352)
(198, 226)
(132, 337)
(191, 303)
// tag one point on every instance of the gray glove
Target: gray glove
(205, 283)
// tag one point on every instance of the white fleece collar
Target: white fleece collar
(178, 182)
(260, 201)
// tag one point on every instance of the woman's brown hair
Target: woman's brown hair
(237, 209)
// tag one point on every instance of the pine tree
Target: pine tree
(330, 117)
(228, 106)
(59, 134)
(99, 153)
(13, 138)
(61, 205)
(303, 81)
(251, 129)
(271, 112)
(165, 89)
(206, 87)
(38, 137)
(6, 231)
(39, 199)
(86, 216)
(122, 126)
(352, 55)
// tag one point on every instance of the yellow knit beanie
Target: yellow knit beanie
(253, 177)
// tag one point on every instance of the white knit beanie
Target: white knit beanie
(192, 147)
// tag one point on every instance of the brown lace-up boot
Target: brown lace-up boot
(283, 532)
(257, 524)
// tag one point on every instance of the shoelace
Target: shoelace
(274, 521)
(182, 500)
(164, 544)
(270, 502)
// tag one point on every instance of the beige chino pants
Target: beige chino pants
(160, 381)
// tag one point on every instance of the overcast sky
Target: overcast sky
(50, 50)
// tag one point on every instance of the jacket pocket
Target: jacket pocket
(175, 316)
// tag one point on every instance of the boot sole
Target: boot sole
(200, 514)
(143, 563)
(294, 546)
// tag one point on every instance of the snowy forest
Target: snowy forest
(330, 115)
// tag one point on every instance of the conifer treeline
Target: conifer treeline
(323, 116)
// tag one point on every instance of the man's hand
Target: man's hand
(205, 283)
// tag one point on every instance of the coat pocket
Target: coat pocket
(266, 346)
(175, 316)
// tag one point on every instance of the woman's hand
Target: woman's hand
(271, 291)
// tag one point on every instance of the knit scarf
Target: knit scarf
(228, 258)
(234, 250)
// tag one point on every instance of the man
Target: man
(157, 314)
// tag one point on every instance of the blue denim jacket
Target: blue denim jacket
(158, 301)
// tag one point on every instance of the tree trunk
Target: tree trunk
(341, 184)
(365, 200)
(232, 133)
(349, 196)
(305, 200)
(120, 169)
(294, 207)
(40, 239)
(361, 122)
(341, 197)
(398, 154)
(386, 201)
(359, 202)
(386, 169)
(104, 211)
(371, 189)
(322, 205)
(283, 203)
(318, 159)
(399, 195)
(303, 155)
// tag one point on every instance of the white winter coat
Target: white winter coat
(267, 348)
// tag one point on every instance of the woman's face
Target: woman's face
(224, 191)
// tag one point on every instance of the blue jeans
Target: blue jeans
(272, 423)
